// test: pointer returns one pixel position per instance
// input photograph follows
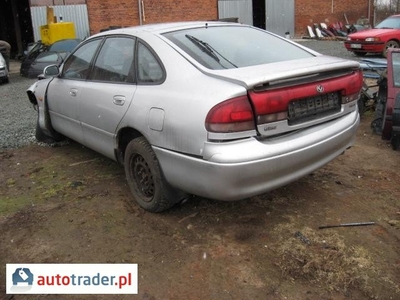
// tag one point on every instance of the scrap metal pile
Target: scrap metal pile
(334, 31)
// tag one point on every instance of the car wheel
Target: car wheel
(357, 53)
(361, 104)
(376, 126)
(395, 142)
(145, 179)
(390, 44)
(6, 80)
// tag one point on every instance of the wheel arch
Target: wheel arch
(32, 98)
(124, 136)
(394, 39)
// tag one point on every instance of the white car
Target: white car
(3, 70)
(219, 110)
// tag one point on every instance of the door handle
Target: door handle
(73, 92)
(119, 100)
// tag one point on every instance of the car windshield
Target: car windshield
(227, 47)
(64, 46)
(45, 57)
(393, 22)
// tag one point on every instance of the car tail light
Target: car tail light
(353, 88)
(232, 115)
(271, 106)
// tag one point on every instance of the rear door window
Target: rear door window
(150, 70)
(115, 62)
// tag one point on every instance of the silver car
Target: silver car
(219, 110)
(3, 70)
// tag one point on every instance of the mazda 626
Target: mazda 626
(218, 110)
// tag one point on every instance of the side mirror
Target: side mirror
(51, 71)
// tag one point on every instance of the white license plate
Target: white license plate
(355, 46)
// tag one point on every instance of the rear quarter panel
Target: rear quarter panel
(185, 98)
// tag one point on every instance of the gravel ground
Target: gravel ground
(18, 119)
(17, 116)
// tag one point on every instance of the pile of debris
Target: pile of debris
(335, 31)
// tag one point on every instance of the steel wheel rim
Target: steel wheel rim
(143, 177)
(392, 45)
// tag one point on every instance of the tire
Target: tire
(395, 142)
(376, 126)
(386, 127)
(7, 80)
(390, 44)
(145, 179)
(360, 54)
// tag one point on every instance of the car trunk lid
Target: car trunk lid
(287, 96)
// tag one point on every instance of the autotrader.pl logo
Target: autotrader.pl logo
(22, 280)
(71, 278)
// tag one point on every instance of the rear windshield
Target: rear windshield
(227, 47)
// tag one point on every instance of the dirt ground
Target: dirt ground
(68, 204)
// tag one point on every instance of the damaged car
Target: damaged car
(219, 110)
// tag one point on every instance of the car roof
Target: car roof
(160, 28)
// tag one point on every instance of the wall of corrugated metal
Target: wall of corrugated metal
(77, 14)
(280, 16)
(241, 9)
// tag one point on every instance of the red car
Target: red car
(391, 113)
(377, 40)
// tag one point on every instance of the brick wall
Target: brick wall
(105, 13)
(308, 12)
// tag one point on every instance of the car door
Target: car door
(108, 93)
(64, 91)
(42, 60)
(393, 83)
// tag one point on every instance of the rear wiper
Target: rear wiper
(205, 47)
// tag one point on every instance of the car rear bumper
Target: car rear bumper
(246, 168)
(365, 46)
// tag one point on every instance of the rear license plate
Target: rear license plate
(313, 108)
(355, 46)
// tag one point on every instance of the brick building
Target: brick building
(328, 11)
(126, 12)
(17, 27)
(105, 13)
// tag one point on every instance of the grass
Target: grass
(322, 257)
